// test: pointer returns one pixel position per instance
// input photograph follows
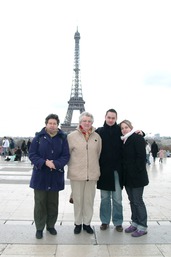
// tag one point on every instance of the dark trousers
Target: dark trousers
(45, 208)
(138, 209)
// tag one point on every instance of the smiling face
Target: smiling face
(125, 128)
(86, 123)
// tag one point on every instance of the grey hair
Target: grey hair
(87, 114)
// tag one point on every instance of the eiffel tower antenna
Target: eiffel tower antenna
(76, 101)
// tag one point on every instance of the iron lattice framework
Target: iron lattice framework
(76, 101)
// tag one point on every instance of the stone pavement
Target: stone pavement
(17, 230)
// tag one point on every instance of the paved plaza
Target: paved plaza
(17, 229)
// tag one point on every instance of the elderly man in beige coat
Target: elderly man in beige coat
(84, 170)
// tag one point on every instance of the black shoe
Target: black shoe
(88, 229)
(119, 228)
(104, 226)
(52, 231)
(77, 229)
(39, 234)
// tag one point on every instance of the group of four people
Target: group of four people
(108, 158)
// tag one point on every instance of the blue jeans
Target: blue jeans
(111, 204)
(138, 208)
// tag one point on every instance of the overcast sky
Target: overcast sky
(125, 59)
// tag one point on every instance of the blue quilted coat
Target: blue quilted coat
(53, 148)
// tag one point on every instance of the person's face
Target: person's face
(52, 126)
(86, 123)
(110, 118)
(125, 129)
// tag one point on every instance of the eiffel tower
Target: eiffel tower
(76, 101)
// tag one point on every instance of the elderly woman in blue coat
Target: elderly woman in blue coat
(135, 177)
(49, 153)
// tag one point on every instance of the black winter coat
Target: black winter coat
(111, 156)
(134, 162)
(154, 149)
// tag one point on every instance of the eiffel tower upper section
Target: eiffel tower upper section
(76, 101)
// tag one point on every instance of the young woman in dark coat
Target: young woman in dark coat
(135, 177)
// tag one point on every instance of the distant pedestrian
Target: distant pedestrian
(18, 154)
(5, 146)
(24, 148)
(161, 155)
(11, 145)
(28, 144)
(148, 150)
(154, 150)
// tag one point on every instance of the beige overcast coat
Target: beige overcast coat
(84, 156)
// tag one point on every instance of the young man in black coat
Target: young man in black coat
(110, 181)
